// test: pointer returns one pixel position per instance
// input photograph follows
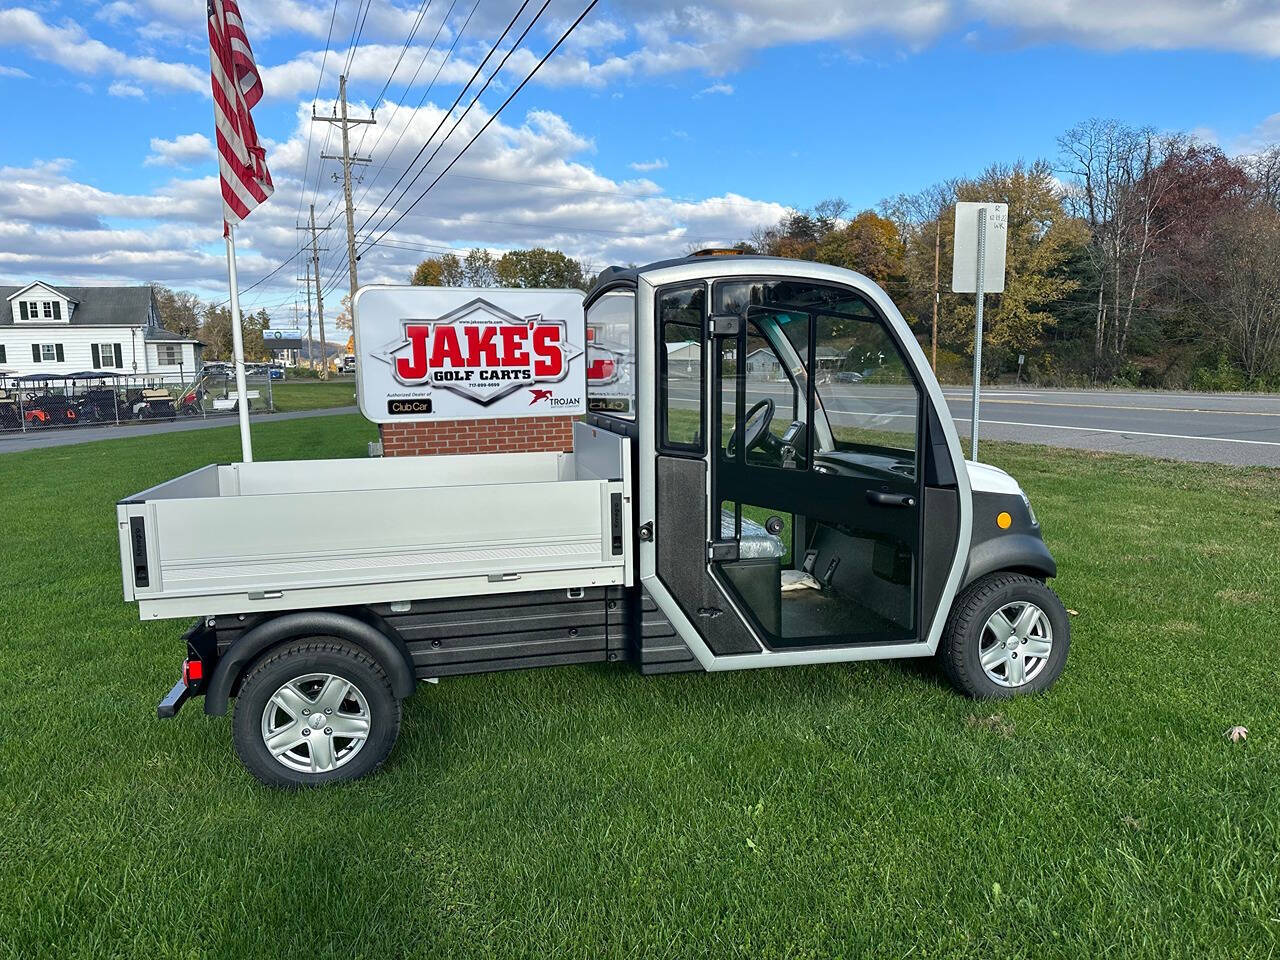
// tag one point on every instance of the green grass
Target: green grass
(591, 812)
(291, 395)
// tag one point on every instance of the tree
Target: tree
(869, 243)
(1042, 239)
(539, 267)
(179, 310)
(479, 269)
(343, 320)
(1245, 295)
(1118, 183)
(442, 271)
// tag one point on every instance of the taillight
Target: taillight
(192, 670)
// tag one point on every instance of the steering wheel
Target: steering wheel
(754, 432)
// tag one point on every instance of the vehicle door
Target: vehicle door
(807, 469)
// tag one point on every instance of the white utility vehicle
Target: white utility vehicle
(768, 476)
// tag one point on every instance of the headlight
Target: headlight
(1030, 511)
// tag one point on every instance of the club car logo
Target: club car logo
(482, 352)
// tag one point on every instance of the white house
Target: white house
(59, 330)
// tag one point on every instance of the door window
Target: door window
(821, 492)
(680, 361)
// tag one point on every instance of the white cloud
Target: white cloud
(1266, 134)
(525, 183)
(69, 46)
(644, 166)
(182, 150)
(119, 89)
(14, 72)
(1248, 26)
(721, 88)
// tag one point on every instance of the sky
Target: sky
(658, 126)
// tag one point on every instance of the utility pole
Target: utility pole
(346, 122)
(311, 360)
(315, 265)
(937, 249)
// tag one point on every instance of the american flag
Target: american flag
(237, 88)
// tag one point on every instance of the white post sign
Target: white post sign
(444, 353)
(977, 266)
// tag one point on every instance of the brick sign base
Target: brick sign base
(502, 435)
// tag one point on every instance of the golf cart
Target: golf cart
(720, 510)
(213, 390)
(41, 406)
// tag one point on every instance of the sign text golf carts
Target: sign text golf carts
(431, 353)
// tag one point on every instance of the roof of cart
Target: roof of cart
(715, 261)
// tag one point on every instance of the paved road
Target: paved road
(60, 436)
(1223, 428)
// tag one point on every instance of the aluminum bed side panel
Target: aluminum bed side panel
(307, 541)
(316, 476)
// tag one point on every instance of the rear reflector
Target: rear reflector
(192, 670)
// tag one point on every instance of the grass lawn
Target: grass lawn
(291, 395)
(829, 811)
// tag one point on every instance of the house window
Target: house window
(33, 309)
(48, 309)
(169, 354)
(49, 351)
(107, 355)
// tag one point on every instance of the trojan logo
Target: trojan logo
(482, 352)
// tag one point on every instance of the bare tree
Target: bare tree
(1247, 300)
(1264, 168)
(1117, 182)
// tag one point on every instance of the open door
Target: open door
(797, 466)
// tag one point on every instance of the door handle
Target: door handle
(882, 499)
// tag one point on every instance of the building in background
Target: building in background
(56, 330)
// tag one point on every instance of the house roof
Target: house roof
(98, 306)
(39, 283)
(159, 333)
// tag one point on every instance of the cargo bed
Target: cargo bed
(251, 537)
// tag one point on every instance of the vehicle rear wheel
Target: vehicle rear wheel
(314, 712)
(1007, 635)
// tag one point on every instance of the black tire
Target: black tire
(959, 650)
(299, 659)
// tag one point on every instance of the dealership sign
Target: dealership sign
(437, 353)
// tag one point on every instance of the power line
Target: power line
(494, 116)
(445, 116)
(409, 86)
(413, 32)
(356, 34)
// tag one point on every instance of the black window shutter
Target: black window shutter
(58, 349)
(119, 358)
(96, 359)
(35, 353)
(3, 357)
(57, 309)
(22, 309)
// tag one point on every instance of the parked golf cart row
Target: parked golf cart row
(103, 397)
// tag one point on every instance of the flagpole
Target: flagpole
(237, 348)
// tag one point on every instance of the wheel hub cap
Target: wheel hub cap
(315, 723)
(1016, 643)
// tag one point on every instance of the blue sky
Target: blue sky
(659, 125)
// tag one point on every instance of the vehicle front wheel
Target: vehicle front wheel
(315, 712)
(1007, 634)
